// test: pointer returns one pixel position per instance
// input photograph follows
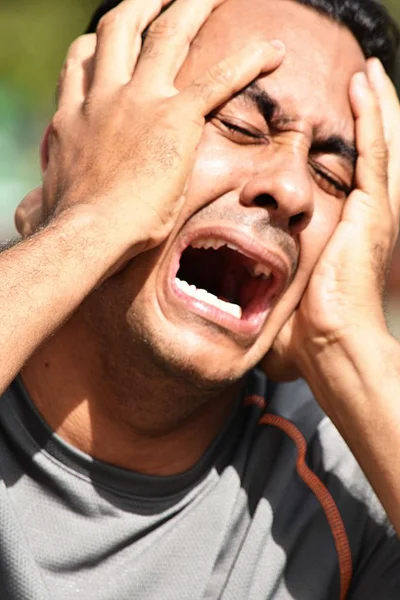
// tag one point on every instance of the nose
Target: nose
(284, 189)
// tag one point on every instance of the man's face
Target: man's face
(267, 190)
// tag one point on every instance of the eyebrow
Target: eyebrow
(336, 144)
(275, 116)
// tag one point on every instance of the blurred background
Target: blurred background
(34, 37)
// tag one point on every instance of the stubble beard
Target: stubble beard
(149, 380)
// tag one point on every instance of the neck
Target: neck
(143, 420)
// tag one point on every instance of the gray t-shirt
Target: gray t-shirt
(240, 525)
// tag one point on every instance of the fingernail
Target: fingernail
(278, 45)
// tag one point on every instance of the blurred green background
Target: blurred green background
(34, 37)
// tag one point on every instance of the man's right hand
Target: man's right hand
(116, 159)
(123, 139)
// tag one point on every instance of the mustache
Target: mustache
(260, 225)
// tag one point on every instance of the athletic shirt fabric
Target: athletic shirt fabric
(241, 524)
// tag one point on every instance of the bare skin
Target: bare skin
(120, 339)
(92, 236)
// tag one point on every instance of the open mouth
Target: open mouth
(228, 283)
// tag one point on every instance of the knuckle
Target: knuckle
(162, 28)
(379, 151)
(79, 45)
(107, 22)
(57, 125)
(69, 65)
(221, 74)
(157, 32)
(379, 154)
(57, 121)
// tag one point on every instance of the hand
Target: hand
(344, 294)
(123, 140)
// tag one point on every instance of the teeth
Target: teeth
(208, 243)
(214, 243)
(254, 270)
(183, 285)
(191, 290)
(262, 270)
(197, 244)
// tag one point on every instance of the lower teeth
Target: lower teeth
(191, 290)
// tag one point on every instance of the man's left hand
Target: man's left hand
(345, 291)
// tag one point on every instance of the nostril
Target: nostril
(266, 201)
(296, 221)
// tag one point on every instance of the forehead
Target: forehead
(321, 56)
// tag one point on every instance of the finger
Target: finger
(168, 40)
(390, 110)
(372, 163)
(229, 76)
(76, 73)
(29, 213)
(119, 41)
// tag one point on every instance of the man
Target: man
(213, 201)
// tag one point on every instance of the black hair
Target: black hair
(370, 22)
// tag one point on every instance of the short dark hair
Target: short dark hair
(370, 22)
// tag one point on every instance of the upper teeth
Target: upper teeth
(255, 270)
(258, 270)
(213, 243)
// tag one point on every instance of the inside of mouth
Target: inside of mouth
(226, 274)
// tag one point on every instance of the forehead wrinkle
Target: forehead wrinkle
(275, 116)
(269, 107)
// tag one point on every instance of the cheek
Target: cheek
(327, 213)
(216, 171)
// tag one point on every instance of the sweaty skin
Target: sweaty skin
(134, 370)
(130, 327)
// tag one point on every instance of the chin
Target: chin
(202, 308)
(195, 356)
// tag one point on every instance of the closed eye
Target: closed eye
(237, 129)
(239, 133)
(329, 183)
(250, 135)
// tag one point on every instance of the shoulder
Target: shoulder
(327, 454)
(374, 546)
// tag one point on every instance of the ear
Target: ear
(30, 214)
(44, 148)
